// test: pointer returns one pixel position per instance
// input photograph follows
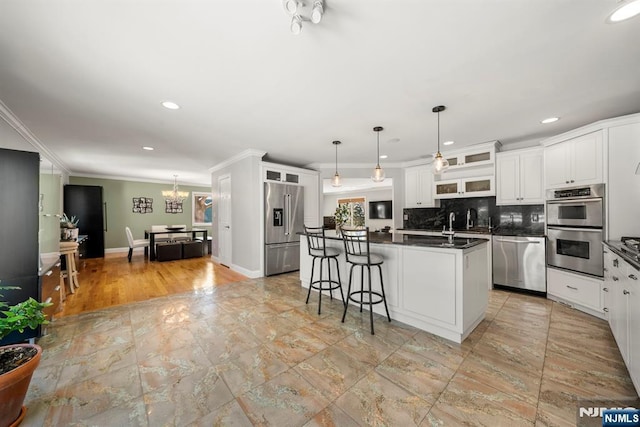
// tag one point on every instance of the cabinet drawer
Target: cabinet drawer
(574, 288)
(50, 290)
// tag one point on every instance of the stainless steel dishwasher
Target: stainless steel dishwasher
(520, 262)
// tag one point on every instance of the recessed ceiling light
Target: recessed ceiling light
(626, 11)
(383, 156)
(170, 105)
(549, 120)
(147, 148)
(448, 143)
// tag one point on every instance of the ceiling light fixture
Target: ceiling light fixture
(296, 24)
(383, 156)
(170, 105)
(336, 181)
(175, 195)
(318, 10)
(549, 120)
(147, 148)
(440, 164)
(311, 10)
(626, 10)
(378, 172)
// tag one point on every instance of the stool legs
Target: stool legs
(369, 291)
(332, 284)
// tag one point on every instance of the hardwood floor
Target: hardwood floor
(112, 280)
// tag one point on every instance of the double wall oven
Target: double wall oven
(575, 229)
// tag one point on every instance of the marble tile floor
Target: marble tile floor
(252, 353)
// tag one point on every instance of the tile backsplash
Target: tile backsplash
(484, 212)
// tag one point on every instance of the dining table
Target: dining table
(151, 235)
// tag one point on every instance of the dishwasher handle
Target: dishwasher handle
(520, 242)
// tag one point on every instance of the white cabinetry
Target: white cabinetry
(581, 292)
(519, 177)
(464, 187)
(418, 181)
(621, 281)
(477, 157)
(577, 161)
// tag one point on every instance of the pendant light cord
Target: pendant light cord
(336, 157)
(378, 159)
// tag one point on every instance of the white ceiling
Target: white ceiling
(86, 77)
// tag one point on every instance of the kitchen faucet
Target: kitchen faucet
(450, 234)
(469, 220)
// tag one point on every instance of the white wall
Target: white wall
(246, 213)
(397, 188)
(330, 202)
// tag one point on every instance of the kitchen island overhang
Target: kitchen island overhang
(431, 284)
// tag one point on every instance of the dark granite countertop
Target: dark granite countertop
(618, 248)
(417, 240)
(474, 230)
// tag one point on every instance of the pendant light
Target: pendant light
(336, 181)
(378, 172)
(440, 164)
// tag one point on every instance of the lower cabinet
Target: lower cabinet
(575, 290)
(621, 281)
(50, 291)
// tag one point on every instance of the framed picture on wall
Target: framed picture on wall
(202, 208)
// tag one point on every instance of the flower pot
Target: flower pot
(13, 387)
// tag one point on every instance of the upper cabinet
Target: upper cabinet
(519, 177)
(464, 187)
(577, 161)
(478, 157)
(418, 181)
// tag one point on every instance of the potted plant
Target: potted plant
(341, 216)
(69, 227)
(18, 361)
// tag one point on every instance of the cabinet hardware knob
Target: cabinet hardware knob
(572, 287)
(615, 262)
(49, 273)
(605, 269)
(572, 181)
(606, 310)
(605, 289)
(566, 182)
(57, 288)
(633, 276)
(615, 279)
(626, 292)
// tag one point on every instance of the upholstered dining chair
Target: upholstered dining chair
(178, 237)
(135, 243)
(163, 237)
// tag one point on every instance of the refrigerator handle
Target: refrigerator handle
(106, 219)
(287, 214)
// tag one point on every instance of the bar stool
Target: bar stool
(69, 250)
(356, 248)
(318, 250)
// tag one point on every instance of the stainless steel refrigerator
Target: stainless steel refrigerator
(284, 219)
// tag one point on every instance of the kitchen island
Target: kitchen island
(434, 285)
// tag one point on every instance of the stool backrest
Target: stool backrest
(315, 240)
(129, 236)
(356, 242)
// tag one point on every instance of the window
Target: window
(354, 212)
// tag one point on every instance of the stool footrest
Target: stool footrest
(333, 284)
(362, 300)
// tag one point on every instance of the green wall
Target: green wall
(119, 194)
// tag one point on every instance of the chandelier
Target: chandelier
(299, 10)
(175, 195)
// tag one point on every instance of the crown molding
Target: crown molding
(12, 120)
(318, 166)
(240, 156)
(137, 179)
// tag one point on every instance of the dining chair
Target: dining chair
(180, 237)
(135, 243)
(162, 237)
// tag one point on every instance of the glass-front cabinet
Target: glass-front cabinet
(464, 187)
(473, 158)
